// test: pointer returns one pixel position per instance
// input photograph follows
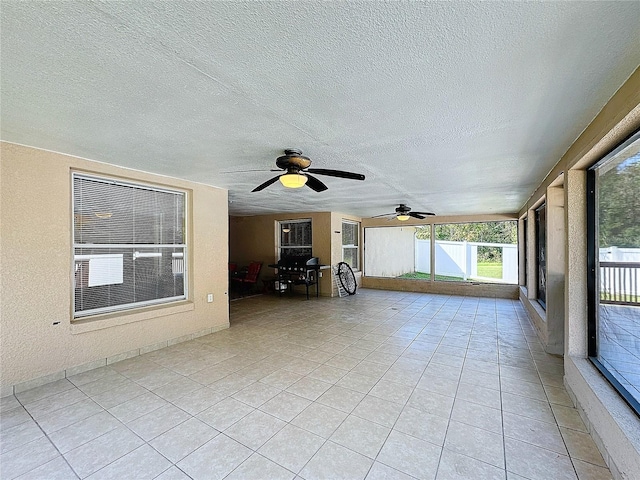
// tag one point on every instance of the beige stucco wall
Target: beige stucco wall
(576, 261)
(36, 281)
(555, 269)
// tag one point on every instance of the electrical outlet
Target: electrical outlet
(210, 298)
(320, 274)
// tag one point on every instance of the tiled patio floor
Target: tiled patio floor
(619, 344)
(382, 385)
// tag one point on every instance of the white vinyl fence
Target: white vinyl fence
(460, 259)
(619, 275)
(617, 254)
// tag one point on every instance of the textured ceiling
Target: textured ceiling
(458, 108)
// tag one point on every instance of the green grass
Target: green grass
(490, 270)
(427, 276)
(604, 296)
(485, 270)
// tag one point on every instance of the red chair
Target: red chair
(250, 278)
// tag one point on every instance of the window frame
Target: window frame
(367, 230)
(279, 230)
(124, 308)
(593, 291)
(524, 250)
(541, 236)
(357, 247)
(470, 279)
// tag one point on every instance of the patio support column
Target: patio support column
(576, 265)
(555, 269)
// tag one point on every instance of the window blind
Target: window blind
(128, 245)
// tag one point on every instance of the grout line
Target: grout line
(504, 436)
(49, 440)
(407, 315)
(444, 441)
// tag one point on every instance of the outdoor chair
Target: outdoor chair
(249, 279)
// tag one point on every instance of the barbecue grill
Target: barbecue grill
(298, 270)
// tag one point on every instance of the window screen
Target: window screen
(613, 239)
(295, 238)
(128, 245)
(350, 231)
(541, 254)
(479, 252)
(525, 226)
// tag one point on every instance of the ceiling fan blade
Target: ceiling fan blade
(315, 184)
(429, 214)
(246, 171)
(266, 184)
(336, 173)
(416, 215)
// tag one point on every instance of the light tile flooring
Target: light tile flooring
(381, 385)
(619, 344)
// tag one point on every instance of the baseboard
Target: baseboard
(85, 367)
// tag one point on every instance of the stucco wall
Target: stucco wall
(36, 280)
(555, 270)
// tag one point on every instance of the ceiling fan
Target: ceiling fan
(296, 173)
(403, 213)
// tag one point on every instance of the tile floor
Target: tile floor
(381, 385)
(619, 344)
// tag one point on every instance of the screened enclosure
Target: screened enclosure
(613, 203)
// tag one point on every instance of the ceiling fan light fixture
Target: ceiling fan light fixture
(403, 217)
(293, 180)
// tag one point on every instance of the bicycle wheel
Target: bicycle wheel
(347, 278)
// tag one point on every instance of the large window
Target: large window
(478, 252)
(613, 206)
(128, 245)
(524, 250)
(350, 244)
(295, 238)
(541, 254)
(422, 253)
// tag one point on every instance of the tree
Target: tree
(487, 232)
(619, 205)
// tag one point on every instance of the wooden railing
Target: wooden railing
(620, 283)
